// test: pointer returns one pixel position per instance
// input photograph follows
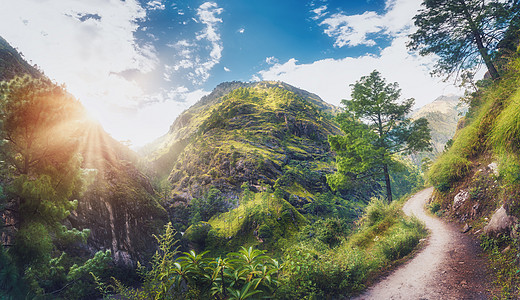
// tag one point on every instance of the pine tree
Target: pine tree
(376, 128)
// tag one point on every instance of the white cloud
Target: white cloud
(227, 69)
(188, 53)
(155, 5)
(319, 12)
(330, 78)
(271, 60)
(354, 30)
(85, 44)
(241, 30)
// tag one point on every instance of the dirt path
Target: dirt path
(447, 268)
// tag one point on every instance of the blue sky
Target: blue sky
(136, 65)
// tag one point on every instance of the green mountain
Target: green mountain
(259, 133)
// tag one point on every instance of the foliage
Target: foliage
(239, 275)
(367, 149)
(503, 255)
(42, 179)
(463, 33)
(212, 203)
(316, 272)
(11, 283)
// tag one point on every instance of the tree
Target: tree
(42, 176)
(375, 128)
(463, 33)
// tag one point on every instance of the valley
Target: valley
(259, 188)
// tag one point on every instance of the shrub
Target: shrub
(435, 207)
(399, 244)
(375, 211)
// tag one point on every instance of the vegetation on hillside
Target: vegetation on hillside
(41, 177)
(484, 161)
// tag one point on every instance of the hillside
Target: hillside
(476, 180)
(13, 64)
(120, 207)
(258, 133)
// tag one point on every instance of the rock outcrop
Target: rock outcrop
(119, 207)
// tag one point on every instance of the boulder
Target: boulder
(500, 222)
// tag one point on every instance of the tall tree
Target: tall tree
(463, 33)
(376, 128)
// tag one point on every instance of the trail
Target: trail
(447, 268)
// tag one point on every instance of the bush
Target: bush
(435, 207)
(399, 244)
(375, 211)
(198, 233)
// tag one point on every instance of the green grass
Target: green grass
(384, 236)
(277, 219)
(493, 125)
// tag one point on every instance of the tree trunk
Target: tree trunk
(478, 39)
(487, 60)
(387, 181)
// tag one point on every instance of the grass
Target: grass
(278, 220)
(384, 236)
(503, 253)
(493, 125)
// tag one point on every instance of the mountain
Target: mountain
(267, 135)
(246, 132)
(120, 207)
(12, 63)
(443, 115)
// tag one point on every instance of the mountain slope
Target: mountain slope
(120, 206)
(442, 114)
(12, 63)
(252, 132)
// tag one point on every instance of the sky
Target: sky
(136, 65)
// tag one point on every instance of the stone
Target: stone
(460, 198)
(500, 223)
(466, 228)
(494, 168)
(474, 210)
